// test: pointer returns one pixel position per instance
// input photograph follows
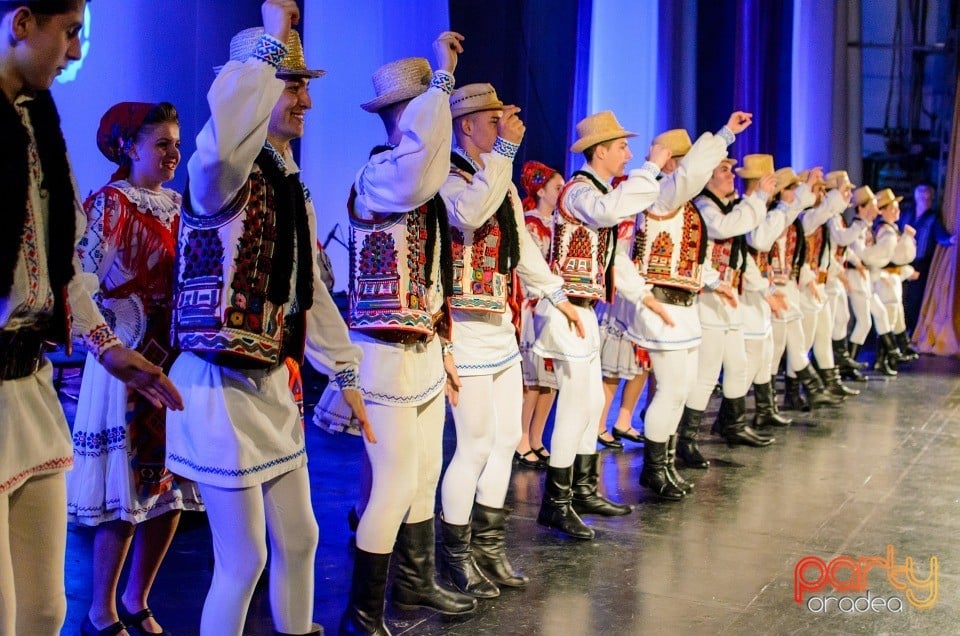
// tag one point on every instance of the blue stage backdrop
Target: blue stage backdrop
(657, 63)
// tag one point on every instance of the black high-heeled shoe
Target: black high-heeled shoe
(525, 461)
(633, 437)
(87, 628)
(134, 620)
(611, 443)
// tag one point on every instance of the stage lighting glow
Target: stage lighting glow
(70, 73)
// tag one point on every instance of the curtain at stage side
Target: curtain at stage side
(762, 74)
(939, 322)
(715, 62)
(676, 92)
(528, 51)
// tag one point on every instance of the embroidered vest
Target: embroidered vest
(391, 278)
(478, 282)
(782, 262)
(728, 256)
(228, 306)
(817, 248)
(669, 250)
(581, 256)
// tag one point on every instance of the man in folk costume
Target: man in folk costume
(815, 303)
(401, 269)
(761, 299)
(727, 221)
(784, 264)
(670, 253)
(249, 296)
(888, 280)
(846, 272)
(872, 255)
(583, 255)
(490, 246)
(44, 296)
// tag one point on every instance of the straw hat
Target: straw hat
(863, 195)
(729, 160)
(755, 166)
(597, 129)
(399, 81)
(474, 98)
(676, 140)
(885, 197)
(786, 177)
(837, 179)
(293, 65)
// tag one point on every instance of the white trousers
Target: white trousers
(240, 521)
(675, 372)
(405, 462)
(818, 335)
(896, 316)
(720, 348)
(788, 336)
(840, 306)
(579, 405)
(759, 359)
(862, 319)
(881, 319)
(33, 540)
(487, 418)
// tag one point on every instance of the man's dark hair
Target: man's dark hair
(589, 152)
(40, 8)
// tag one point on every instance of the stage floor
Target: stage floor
(879, 471)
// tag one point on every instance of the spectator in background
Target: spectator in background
(928, 223)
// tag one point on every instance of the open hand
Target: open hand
(727, 294)
(452, 388)
(573, 318)
(354, 400)
(143, 376)
(654, 305)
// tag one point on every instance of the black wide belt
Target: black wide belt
(674, 296)
(21, 353)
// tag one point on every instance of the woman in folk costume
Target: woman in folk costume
(44, 296)
(888, 280)
(542, 185)
(670, 253)
(583, 254)
(401, 269)
(490, 251)
(815, 303)
(248, 296)
(621, 359)
(784, 263)
(119, 484)
(846, 272)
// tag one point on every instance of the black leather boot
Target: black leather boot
(414, 584)
(793, 400)
(831, 379)
(849, 368)
(886, 362)
(732, 420)
(907, 352)
(816, 391)
(586, 499)
(364, 614)
(672, 472)
(489, 545)
(456, 564)
(767, 413)
(654, 474)
(688, 450)
(556, 509)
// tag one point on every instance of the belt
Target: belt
(234, 361)
(21, 353)
(396, 336)
(586, 303)
(674, 296)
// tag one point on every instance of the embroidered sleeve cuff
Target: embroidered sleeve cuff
(270, 50)
(712, 285)
(442, 80)
(446, 347)
(506, 148)
(348, 378)
(764, 195)
(99, 339)
(727, 135)
(771, 290)
(556, 297)
(652, 168)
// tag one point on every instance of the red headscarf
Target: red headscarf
(117, 131)
(534, 176)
